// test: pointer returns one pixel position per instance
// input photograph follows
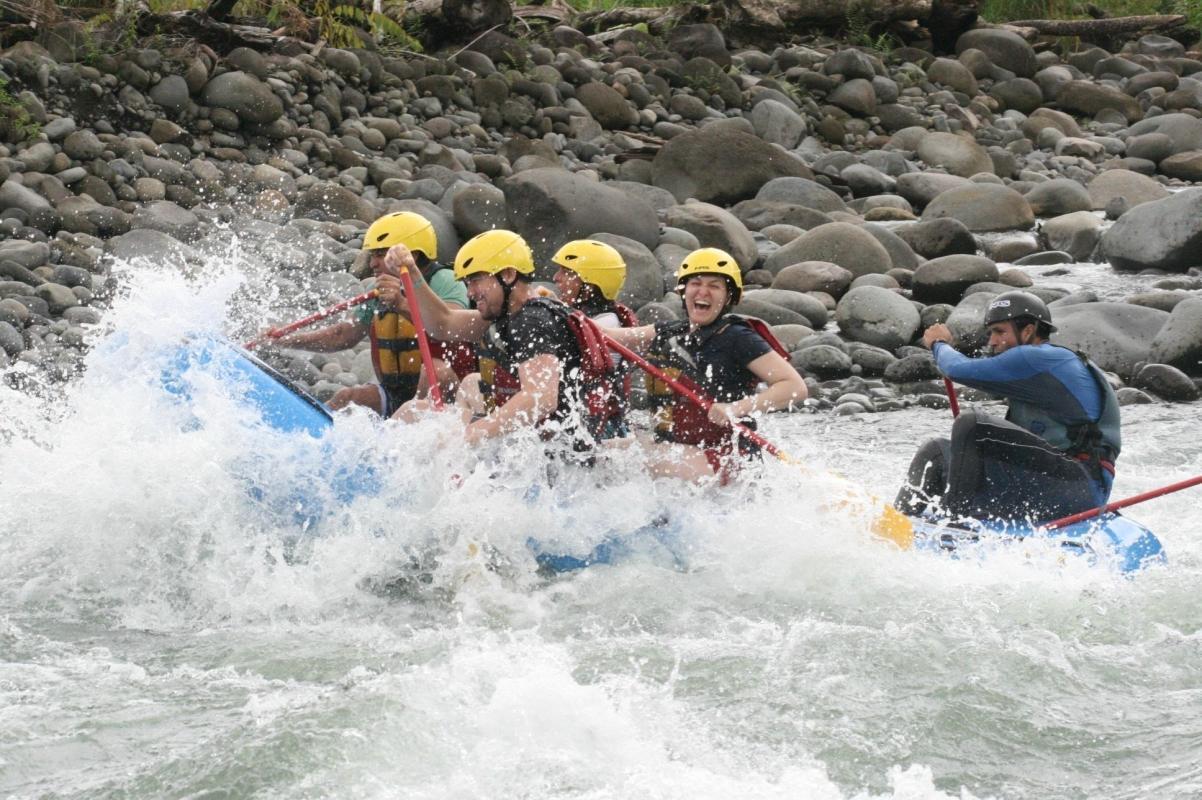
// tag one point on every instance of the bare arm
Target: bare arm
(637, 339)
(326, 340)
(538, 397)
(441, 320)
(785, 386)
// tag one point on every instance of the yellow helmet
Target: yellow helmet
(712, 261)
(596, 263)
(493, 251)
(402, 227)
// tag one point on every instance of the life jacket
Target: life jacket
(394, 352)
(592, 383)
(682, 420)
(1097, 442)
(396, 356)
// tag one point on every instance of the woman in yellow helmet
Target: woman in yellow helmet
(590, 275)
(394, 352)
(721, 355)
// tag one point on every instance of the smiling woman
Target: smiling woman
(721, 356)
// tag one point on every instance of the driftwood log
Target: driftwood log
(1108, 26)
(1110, 32)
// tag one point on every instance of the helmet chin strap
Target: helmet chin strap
(506, 291)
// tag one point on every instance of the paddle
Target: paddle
(275, 333)
(892, 524)
(951, 396)
(423, 342)
(1126, 501)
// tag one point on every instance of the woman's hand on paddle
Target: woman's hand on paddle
(721, 413)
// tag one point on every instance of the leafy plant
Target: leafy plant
(16, 123)
(339, 24)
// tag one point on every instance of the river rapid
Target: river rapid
(165, 633)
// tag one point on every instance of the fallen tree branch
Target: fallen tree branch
(1101, 27)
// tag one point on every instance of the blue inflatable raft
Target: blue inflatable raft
(1110, 538)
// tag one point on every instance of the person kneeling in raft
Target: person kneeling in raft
(721, 355)
(1054, 453)
(540, 365)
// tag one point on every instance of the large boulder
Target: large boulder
(983, 207)
(1163, 234)
(808, 306)
(814, 276)
(335, 203)
(842, 243)
(714, 227)
(1132, 186)
(1077, 234)
(607, 106)
(1179, 342)
(549, 206)
(1005, 49)
(1058, 196)
(151, 247)
(1184, 131)
(938, 237)
(801, 192)
(920, 188)
(877, 316)
(959, 155)
(244, 94)
(1089, 98)
(1116, 336)
(943, 280)
(719, 164)
(169, 218)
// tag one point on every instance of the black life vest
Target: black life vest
(684, 421)
(591, 383)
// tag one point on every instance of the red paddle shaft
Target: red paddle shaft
(1127, 501)
(276, 333)
(423, 342)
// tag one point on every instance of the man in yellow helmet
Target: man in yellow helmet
(538, 364)
(394, 351)
(722, 356)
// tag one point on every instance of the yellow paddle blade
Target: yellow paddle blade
(894, 526)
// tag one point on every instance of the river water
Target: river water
(163, 633)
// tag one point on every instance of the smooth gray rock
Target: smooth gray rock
(720, 165)
(549, 206)
(714, 226)
(842, 243)
(1116, 336)
(1166, 382)
(943, 280)
(1179, 342)
(983, 207)
(1163, 234)
(877, 316)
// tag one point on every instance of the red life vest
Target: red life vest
(686, 422)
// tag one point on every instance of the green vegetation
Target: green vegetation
(607, 5)
(340, 23)
(16, 125)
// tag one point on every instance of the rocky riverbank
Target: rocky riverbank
(865, 194)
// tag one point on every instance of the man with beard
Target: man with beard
(539, 365)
